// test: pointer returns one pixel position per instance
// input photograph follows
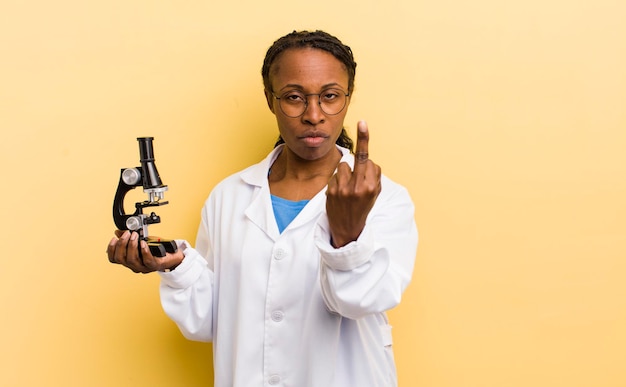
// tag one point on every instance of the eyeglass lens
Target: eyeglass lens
(294, 103)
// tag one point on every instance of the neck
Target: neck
(289, 166)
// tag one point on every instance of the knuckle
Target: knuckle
(346, 191)
(367, 190)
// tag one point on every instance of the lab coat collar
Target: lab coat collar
(260, 210)
(257, 174)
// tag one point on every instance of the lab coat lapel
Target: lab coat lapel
(260, 210)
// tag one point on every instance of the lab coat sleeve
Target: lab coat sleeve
(370, 274)
(187, 291)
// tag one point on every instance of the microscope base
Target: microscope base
(159, 247)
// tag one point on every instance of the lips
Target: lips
(313, 139)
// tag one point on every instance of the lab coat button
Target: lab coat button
(274, 379)
(279, 254)
(277, 316)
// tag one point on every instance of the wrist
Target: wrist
(175, 260)
(338, 242)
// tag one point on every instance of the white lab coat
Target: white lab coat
(288, 309)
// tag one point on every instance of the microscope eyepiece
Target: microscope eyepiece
(151, 179)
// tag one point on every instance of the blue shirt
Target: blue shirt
(286, 210)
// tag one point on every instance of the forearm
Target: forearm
(370, 274)
(376, 285)
(187, 296)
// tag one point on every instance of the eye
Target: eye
(331, 95)
(293, 97)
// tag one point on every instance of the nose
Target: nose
(313, 113)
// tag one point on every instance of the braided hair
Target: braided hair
(318, 40)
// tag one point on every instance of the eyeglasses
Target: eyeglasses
(293, 103)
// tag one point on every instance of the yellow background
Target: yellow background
(505, 119)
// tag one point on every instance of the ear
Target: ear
(270, 100)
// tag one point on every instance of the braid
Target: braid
(318, 40)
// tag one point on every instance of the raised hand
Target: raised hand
(351, 194)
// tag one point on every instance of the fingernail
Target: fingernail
(133, 236)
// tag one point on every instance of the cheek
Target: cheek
(340, 122)
(284, 125)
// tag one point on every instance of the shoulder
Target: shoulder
(393, 193)
(232, 185)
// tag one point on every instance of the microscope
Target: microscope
(147, 176)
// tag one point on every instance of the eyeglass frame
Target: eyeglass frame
(306, 101)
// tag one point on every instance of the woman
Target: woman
(298, 257)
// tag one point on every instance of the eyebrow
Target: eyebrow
(299, 87)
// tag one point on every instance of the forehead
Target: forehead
(308, 68)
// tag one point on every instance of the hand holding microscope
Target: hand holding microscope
(148, 177)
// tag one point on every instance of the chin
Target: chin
(311, 154)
